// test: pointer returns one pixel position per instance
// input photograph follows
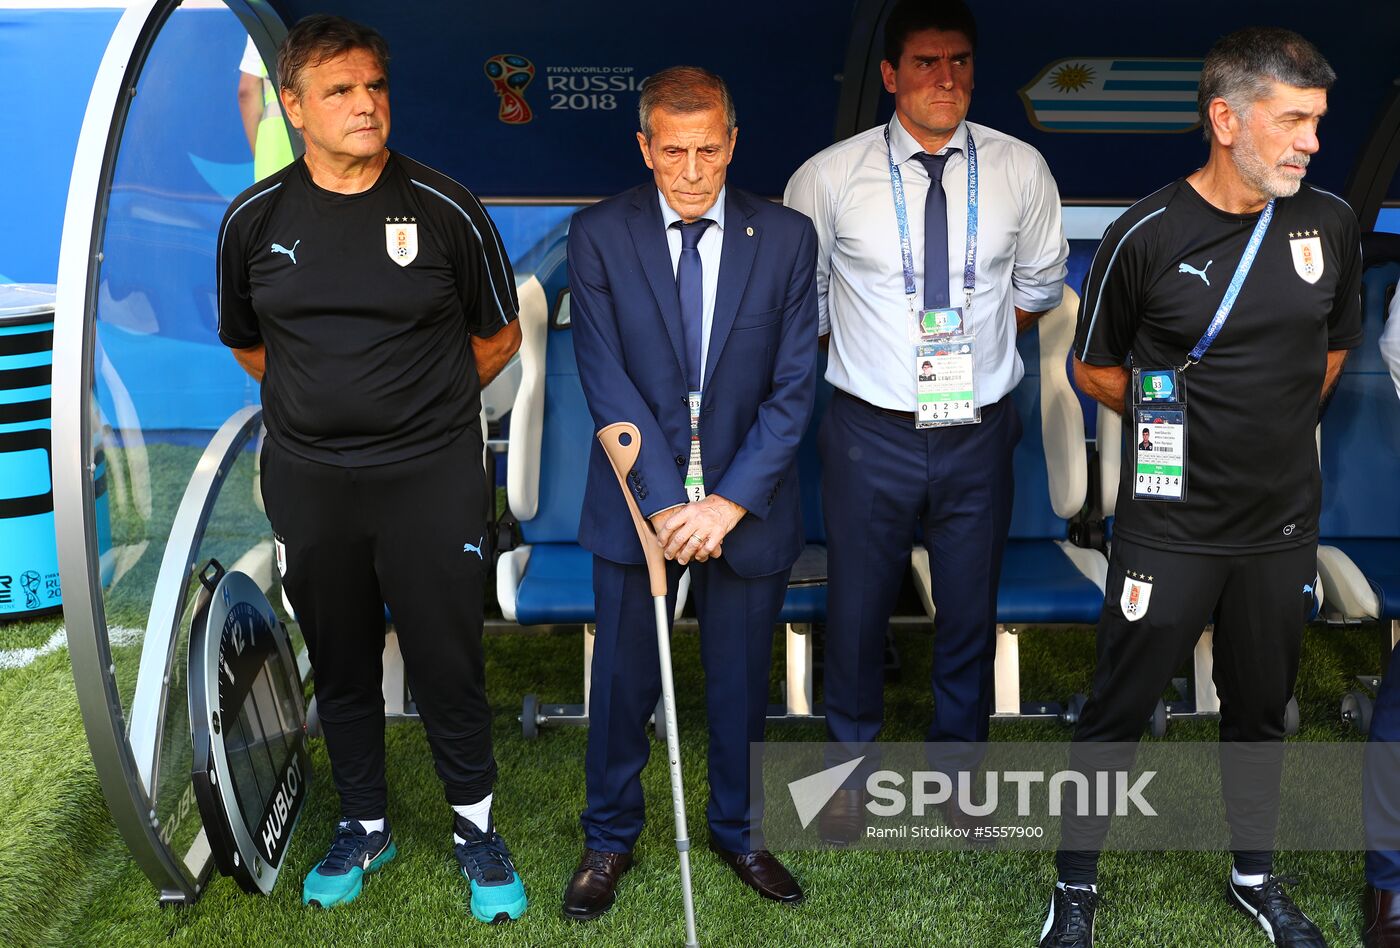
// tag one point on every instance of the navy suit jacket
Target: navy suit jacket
(760, 371)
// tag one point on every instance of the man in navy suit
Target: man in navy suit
(695, 318)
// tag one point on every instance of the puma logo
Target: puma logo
(278, 248)
(474, 548)
(1187, 268)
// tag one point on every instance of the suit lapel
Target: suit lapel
(649, 237)
(735, 263)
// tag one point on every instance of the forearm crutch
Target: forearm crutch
(622, 443)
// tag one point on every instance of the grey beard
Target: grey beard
(1262, 178)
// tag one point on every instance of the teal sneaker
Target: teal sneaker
(338, 877)
(498, 895)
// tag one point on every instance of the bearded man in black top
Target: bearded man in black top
(1220, 518)
(373, 299)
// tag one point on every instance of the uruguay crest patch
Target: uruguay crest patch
(1307, 254)
(401, 240)
(1137, 595)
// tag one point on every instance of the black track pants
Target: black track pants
(1260, 607)
(409, 535)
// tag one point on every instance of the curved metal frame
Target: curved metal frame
(1375, 167)
(80, 260)
(168, 598)
(861, 85)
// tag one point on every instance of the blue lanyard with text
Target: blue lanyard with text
(1236, 282)
(902, 216)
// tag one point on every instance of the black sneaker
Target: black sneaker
(1070, 922)
(1271, 907)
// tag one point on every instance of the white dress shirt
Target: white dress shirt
(1390, 343)
(1021, 252)
(711, 242)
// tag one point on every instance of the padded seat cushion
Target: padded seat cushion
(557, 586)
(804, 604)
(1379, 562)
(1040, 584)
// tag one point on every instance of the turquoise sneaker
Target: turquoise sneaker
(338, 877)
(498, 895)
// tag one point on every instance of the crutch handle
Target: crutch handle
(622, 443)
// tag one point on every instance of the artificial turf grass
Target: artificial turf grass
(853, 897)
(53, 820)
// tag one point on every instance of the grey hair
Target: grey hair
(1242, 67)
(684, 89)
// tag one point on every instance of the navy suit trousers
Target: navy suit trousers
(883, 478)
(1381, 789)
(737, 616)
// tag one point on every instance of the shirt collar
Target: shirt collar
(904, 147)
(715, 213)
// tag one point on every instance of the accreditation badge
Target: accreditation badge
(944, 383)
(943, 370)
(1159, 435)
(694, 471)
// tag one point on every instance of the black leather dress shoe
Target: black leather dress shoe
(1381, 910)
(761, 871)
(974, 830)
(593, 888)
(842, 820)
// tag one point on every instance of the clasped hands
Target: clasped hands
(696, 531)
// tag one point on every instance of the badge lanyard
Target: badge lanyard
(906, 249)
(1159, 399)
(945, 392)
(1233, 290)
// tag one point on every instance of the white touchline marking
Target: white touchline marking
(13, 658)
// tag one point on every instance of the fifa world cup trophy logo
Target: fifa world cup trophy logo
(30, 582)
(509, 75)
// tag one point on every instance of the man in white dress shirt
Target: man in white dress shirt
(937, 239)
(1390, 343)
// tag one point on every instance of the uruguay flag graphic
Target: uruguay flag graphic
(1114, 95)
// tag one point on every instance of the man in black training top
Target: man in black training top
(1221, 519)
(372, 297)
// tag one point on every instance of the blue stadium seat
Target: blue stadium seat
(805, 602)
(1045, 579)
(1359, 553)
(548, 579)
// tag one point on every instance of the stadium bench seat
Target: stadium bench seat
(1359, 442)
(548, 579)
(805, 603)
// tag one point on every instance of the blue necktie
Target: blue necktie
(690, 287)
(935, 234)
